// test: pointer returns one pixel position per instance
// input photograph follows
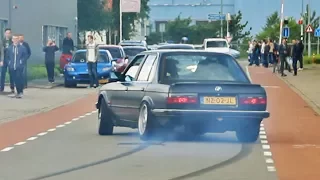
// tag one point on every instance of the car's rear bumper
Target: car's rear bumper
(216, 113)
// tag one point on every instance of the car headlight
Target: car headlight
(106, 69)
(70, 69)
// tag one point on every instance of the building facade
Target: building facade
(254, 11)
(40, 20)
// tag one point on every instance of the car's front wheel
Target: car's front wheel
(69, 84)
(147, 124)
(105, 120)
(249, 133)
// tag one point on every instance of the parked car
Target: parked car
(119, 56)
(157, 90)
(133, 43)
(132, 51)
(76, 71)
(234, 53)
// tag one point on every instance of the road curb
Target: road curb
(309, 101)
(40, 86)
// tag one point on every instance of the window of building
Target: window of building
(54, 33)
(3, 26)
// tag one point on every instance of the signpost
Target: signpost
(309, 29)
(317, 34)
(216, 17)
(286, 32)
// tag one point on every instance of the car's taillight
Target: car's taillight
(253, 100)
(182, 100)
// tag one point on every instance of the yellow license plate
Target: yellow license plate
(220, 100)
(103, 81)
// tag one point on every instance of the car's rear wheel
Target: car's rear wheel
(249, 133)
(105, 120)
(147, 124)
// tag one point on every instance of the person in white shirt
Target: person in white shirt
(263, 45)
(92, 56)
(250, 49)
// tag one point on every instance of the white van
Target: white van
(216, 45)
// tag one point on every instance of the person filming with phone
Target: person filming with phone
(49, 51)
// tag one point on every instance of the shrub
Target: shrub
(308, 60)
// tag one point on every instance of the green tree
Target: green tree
(236, 28)
(90, 15)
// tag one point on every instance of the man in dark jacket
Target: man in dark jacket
(67, 49)
(17, 55)
(295, 56)
(26, 45)
(49, 51)
(283, 54)
(299, 55)
(7, 41)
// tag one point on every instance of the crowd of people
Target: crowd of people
(14, 55)
(280, 57)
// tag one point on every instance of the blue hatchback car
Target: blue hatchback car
(76, 71)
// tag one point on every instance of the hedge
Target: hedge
(308, 60)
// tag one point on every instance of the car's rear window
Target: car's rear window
(217, 44)
(80, 57)
(175, 47)
(191, 66)
(133, 51)
(114, 51)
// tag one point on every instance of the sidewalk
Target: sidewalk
(307, 84)
(38, 100)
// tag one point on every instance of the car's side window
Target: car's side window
(133, 70)
(146, 68)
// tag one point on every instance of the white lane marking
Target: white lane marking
(261, 125)
(46, 132)
(51, 130)
(267, 153)
(265, 146)
(264, 141)
(262, 132)
(263, 137)
(261, 128)
(271, 168)
(248, 73)
(19, 143)
(32, 138)
(7, 149)
(42, 134)
(269, 161)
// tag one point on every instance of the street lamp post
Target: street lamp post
(10, 13)
(309, 34)
(221, 20)
(281, 22)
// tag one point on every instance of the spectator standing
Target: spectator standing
(300, 48)
(263, 45)
(17, 55)
(49, 51)
(271, 55)
(92, 56)
(67, 49)
(295, 57)
(27, 47)
(283, 54)
(7, 41)
(250, 48)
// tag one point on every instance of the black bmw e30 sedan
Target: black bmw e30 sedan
(200, 90)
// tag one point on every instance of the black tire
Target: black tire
(249, 134)
(152, 127)
(105, 120)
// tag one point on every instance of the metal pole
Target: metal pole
(281, 22)
(10, 14)
(302, 11)
(318, 46)
(221, 20)
(309, 34)
(120, 21)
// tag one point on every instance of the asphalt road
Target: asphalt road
(76, 152)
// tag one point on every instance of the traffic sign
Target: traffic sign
(317, 32)
(286, 32)
(309, 28)
(216, 17)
